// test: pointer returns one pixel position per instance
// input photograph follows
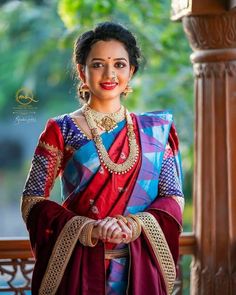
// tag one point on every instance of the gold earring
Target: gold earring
(84, 91)
(127, 90)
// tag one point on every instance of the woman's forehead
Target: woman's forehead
(111, 49)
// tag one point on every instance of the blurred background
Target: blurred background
(36, 59)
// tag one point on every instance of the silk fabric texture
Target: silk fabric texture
(89, 190)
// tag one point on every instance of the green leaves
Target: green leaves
(80, 13)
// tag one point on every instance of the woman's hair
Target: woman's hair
(107, 31)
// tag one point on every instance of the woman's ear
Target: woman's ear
(81, 72)
(132, 68)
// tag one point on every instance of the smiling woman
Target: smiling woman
(117, 230)
(107, 68)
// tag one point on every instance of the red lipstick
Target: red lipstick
(108, 85)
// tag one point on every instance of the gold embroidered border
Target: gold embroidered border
(160, 248)
(59, 156)
(116, 253)
(27, 203)
(61, 254)
(49, 147)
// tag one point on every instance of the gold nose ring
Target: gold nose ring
(114, 77)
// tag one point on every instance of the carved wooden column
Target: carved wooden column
(213, 40)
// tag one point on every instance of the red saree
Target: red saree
(64, 266)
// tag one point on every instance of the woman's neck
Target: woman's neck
(105, 106)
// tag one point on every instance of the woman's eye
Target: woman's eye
(120, 65)
(97, 65)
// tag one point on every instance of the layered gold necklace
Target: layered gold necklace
(103, 154)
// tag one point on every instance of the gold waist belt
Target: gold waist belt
(116, 253)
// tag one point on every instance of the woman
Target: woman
(117, 229)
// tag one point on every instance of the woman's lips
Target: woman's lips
(108, 85)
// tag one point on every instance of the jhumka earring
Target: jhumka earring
(84, 91)
(127, 90)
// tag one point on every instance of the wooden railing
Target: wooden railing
(16, 263)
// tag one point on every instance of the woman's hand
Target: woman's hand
(107, 229)
(127, 230)
(111, 230)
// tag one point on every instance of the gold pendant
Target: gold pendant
(107, 123)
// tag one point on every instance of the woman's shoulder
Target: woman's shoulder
(63, 122)
(66, 119)
(71, 125)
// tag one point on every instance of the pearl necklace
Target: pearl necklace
(103, 154)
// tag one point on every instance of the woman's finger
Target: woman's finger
(117, 240)
(125, 228)
(107, 226)
(113, 230)
(104, 225)
(99, 226)
(96, 222)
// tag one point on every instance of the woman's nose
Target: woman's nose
(109, 73)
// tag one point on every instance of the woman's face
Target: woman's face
(107, 70)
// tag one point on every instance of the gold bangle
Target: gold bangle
(121, 217)
(136, 226)
(86, 235)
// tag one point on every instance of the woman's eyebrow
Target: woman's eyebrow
(97, 58)
(120, 58)
(102, 59)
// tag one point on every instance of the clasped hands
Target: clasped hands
(113, 230)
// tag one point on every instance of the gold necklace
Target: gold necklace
(108, 121)
(103, 154)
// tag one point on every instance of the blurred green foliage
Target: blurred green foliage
(37, 44)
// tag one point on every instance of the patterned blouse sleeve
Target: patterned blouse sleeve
(170, 180)
(46, 162)
(169, 183)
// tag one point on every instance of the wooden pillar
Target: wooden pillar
(213, 40)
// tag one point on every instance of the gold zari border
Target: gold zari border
(61, 254)
(160, 248)
(59, 157)
(116, 253)
(27, 203)
(49, 147)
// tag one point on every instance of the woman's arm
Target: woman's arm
(45, 167)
